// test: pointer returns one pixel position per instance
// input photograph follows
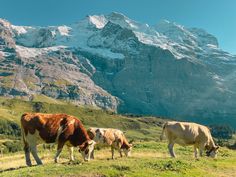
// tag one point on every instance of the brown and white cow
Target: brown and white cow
(112, 137)
(186, 133)
(54, 128)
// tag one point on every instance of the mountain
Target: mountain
(116, 63)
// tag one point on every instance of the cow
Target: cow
(112, 137)
(187, 133)
(54, 128)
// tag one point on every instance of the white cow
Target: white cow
(112, 137)
(186, 133)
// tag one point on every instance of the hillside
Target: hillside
(149, 156)
(113, 62)
(139, 128)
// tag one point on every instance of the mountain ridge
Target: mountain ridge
(116, 63)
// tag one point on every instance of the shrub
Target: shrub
(37, 106)
(12, 146)
(9, 128)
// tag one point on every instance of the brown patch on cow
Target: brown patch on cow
(48, 125)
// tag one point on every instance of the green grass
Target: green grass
(148, 159)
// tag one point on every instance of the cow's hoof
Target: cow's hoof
(110, 158)
(29, 164)
(40, 163)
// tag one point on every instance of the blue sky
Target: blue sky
(218, 17)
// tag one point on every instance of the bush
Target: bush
(37, 106)
(9, 128)
(12, 146)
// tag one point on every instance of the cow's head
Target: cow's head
(100, 135)
(212, 152)
(128, 149)
(86, 149)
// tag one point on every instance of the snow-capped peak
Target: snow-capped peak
(123, 21)
(175, 31)
(115, 16)
(98, 21)
(182, 42)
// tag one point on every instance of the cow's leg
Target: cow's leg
(195, 151)
(119, 144)
(120, 151)
(71, 151)
(112, 152)
(59, 149)
(33, 150)
(27, 154)
(171, 150)
(201, 149)
(92, 154)
(32, 140)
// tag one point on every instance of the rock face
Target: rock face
(113, 62)
(53, 71)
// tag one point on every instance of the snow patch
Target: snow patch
(19, 29)
(53, 33)
(4, 54)
(27, 52)
(64, 30)
(106, 53)
(98, 21)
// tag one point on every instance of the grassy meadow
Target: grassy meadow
(148, 159)
(149, 156)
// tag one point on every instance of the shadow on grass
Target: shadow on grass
(17, 168)
(77, 162)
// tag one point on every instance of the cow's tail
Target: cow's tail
(163, 131)
(23, 131)
(23, 135)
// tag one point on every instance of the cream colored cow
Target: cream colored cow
(112, 137)
(186, 133)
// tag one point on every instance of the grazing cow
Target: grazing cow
(112, 137)
(186, 133)
(54, 128)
